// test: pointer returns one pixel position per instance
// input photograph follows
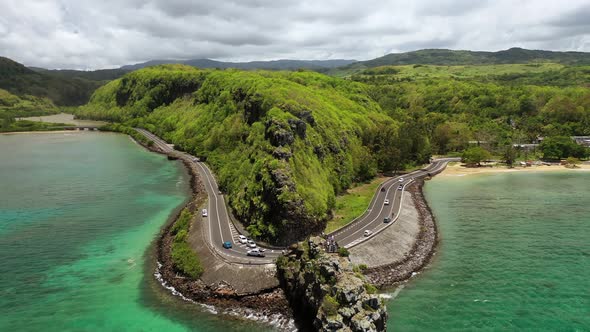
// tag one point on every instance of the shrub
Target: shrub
(183, 222)
(370, 288)
(185, 260)
(330, 305)
(343, 252)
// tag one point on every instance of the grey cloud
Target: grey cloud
(109, 33)
(578, 17)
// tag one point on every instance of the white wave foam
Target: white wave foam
(393, 295)
(276, 320)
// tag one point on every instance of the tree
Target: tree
(509, 155)
(559, 147)
(475, 155)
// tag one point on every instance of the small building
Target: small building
(526, 147)
(582, 140)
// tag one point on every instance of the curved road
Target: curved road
(218, 224)
(373, 218)
(220, 229)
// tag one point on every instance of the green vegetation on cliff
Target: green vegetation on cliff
(282, 144)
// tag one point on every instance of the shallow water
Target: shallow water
(78, 213)
(64, 118)
(514, 255)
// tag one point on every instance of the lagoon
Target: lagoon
(78, 216)
(514, 255)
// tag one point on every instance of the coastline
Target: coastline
(40, 132)
(459, 170)
(268, 305)
(421, 252)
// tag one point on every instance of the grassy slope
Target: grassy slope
(467, 71)
(282, 144)
(353, 203)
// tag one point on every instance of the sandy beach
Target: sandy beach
(457, 169)
(42, 132)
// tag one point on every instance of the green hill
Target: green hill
(282, 144)
(14, 106)
(62, 90)
(443, 57)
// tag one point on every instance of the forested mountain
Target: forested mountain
(92, 75)
(452, 58)
(282, 144)
(269, 65)
(64, 91)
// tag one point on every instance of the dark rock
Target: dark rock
(279, 133)
(325, 287)
(282, 153)
(298, 127)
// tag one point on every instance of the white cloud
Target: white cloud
(108, 33)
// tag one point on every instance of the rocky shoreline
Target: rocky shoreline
(268, 305)
(395, 273)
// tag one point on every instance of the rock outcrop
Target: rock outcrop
(327, 293)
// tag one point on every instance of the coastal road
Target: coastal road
(373, 218)
(219, 227)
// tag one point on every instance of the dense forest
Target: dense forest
(282, 144)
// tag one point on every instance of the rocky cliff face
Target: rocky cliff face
(327, 293)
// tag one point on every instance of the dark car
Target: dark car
(382, 189)
(227, 245)
(387, 219)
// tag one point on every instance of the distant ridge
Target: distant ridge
(272, 65)
(446, 57)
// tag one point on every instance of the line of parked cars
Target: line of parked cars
(253, 251)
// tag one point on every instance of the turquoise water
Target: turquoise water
(78, 213)
(514, 256)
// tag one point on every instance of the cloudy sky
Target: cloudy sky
(90, 34)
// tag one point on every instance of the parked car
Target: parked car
(243, 239)
(368, 232)
(386, 202)
(251, 244)
(401, 187)
(227, 245)
(255, 252)
(204, 212)
(386, 219)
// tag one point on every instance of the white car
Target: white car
(204, 212)
(255, 252)
(401, 180)
(386, 202)
(243, 239)
(368, 232)
(251, 244)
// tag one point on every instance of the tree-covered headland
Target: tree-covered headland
(284, 144)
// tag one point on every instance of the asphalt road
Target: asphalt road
(373, 218)
(219, 226)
